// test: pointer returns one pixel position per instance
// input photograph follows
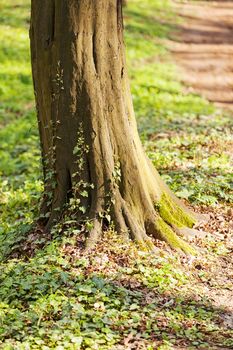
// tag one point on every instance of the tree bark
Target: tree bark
(93, 161)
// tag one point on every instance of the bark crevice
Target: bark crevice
(94, 54)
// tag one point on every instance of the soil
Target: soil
(203, 49)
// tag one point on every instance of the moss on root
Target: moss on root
(172, 217)
(168, 235)
(146, 245)
(173, 214)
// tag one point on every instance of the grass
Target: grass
(118, 298)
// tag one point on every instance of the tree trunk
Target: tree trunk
(93, 161)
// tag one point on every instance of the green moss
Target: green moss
(146, 245)
(172, 214)
(169, 236)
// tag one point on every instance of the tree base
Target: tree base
(168, 222)
(96, 172)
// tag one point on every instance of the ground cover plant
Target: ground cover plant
(53, 297)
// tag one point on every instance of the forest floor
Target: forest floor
(118, 297)
(202, 47)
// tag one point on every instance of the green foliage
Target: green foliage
(196, 163)
(119, 297)
(56, 301)
(188, 140)
(20, 186)
(16, 94)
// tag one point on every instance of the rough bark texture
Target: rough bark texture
(93, 160)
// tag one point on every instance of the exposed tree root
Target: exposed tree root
(94, 235)
(141, 215)
(143, 228)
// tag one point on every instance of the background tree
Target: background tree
(94, 165)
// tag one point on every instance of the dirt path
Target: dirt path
(203, 48)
